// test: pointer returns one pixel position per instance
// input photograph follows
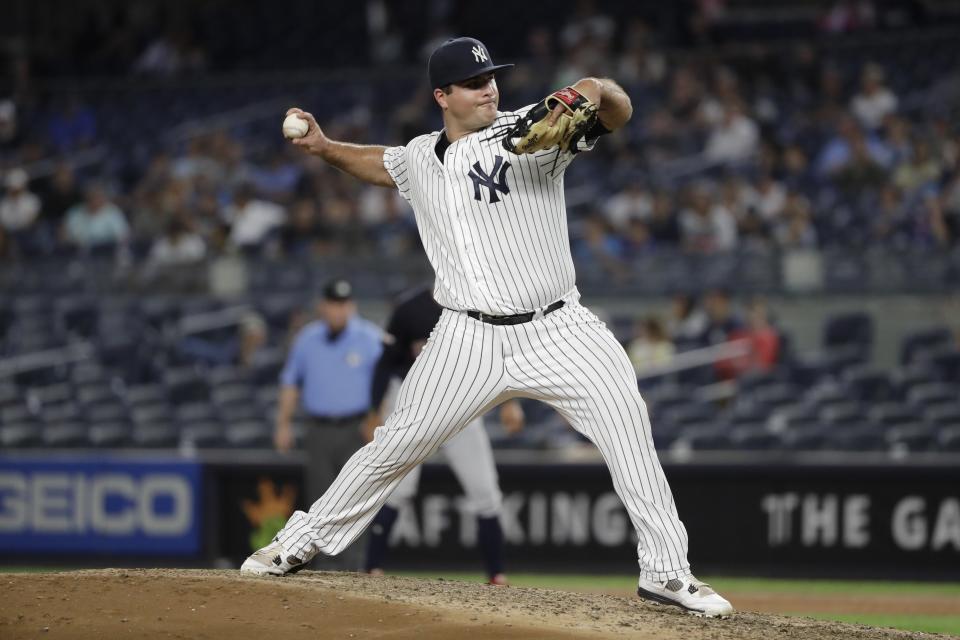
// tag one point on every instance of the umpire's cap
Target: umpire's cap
(338, 290)
(458, 59)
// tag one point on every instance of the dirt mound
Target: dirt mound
(163, 603)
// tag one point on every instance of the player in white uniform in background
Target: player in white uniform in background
(468, 453)
(494, 227)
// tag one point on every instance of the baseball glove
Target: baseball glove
(533, 132)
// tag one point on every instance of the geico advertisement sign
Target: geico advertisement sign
(90, 504)
(114, 504)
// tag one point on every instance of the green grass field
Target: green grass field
(947, 624)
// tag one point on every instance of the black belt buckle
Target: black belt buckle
(338, 420)
(519, 318)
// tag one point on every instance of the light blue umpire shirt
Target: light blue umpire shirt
(334, 377)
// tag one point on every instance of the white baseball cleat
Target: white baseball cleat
(688, 593)
(271, 560)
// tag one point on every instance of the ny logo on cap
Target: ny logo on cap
(479, 55)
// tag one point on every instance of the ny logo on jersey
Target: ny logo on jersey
(479, 55)
(496, 180)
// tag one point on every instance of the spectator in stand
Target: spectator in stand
(238, 349)
(735, 139)
(762, 341)
(688, 322)
(847, 142)
(875, 101)
(896, 137)
(277, 179)
(20, 213)
(74, 127)
(890, 225)
(795, 228)
(598, 244)
(663, 225)
(633, 202)
(707, 227)
(934, 229)
(920, 170)
(862, 170)
(650, 347)
(178, 245)
(722, 321)
(950, 205)
(304, 235)
(57, 194)
(637, 239)
(96, 222)
(795, 169)
(252, 220)
(768, 197)
(6, 249)
(10, 134)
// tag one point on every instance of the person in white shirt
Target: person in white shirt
(875, 101)
(177, 246)
(251, 220)
(96, 221)
(735, 138)
(19, 209)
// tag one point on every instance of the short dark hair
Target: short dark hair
(447, 89)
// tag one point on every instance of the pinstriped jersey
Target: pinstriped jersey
(493, 224)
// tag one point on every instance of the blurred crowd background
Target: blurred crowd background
(153, 218)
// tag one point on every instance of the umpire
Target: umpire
(330, 368)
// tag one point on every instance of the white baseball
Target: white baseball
(294, 127)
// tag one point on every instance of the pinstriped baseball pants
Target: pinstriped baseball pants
(568, 359)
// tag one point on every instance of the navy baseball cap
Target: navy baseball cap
(459, 59)
(338, 290)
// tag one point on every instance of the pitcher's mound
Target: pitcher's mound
(192, 604)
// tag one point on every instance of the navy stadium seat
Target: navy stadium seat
(748, 437)
(95, 393)
(239, 412)
(108, 435)
(65, 434)
(106, 412)
(20, 435)
(224, 376)
(154, 435)
(185, 385)
(812, 439)
(912, 438)
(63, 412)
(890, 414)
(947, 365)
(925, 339)
(948, 438)
(862, 439)
(941, 414)
(251, 434)
(52, 394)
(232, 394)
(843, 414)
(854, 329)
(151, 413)
(204, 435)
(869, 385)
(194, 412)
(932, 393)
(703, 439)
(145, 394)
